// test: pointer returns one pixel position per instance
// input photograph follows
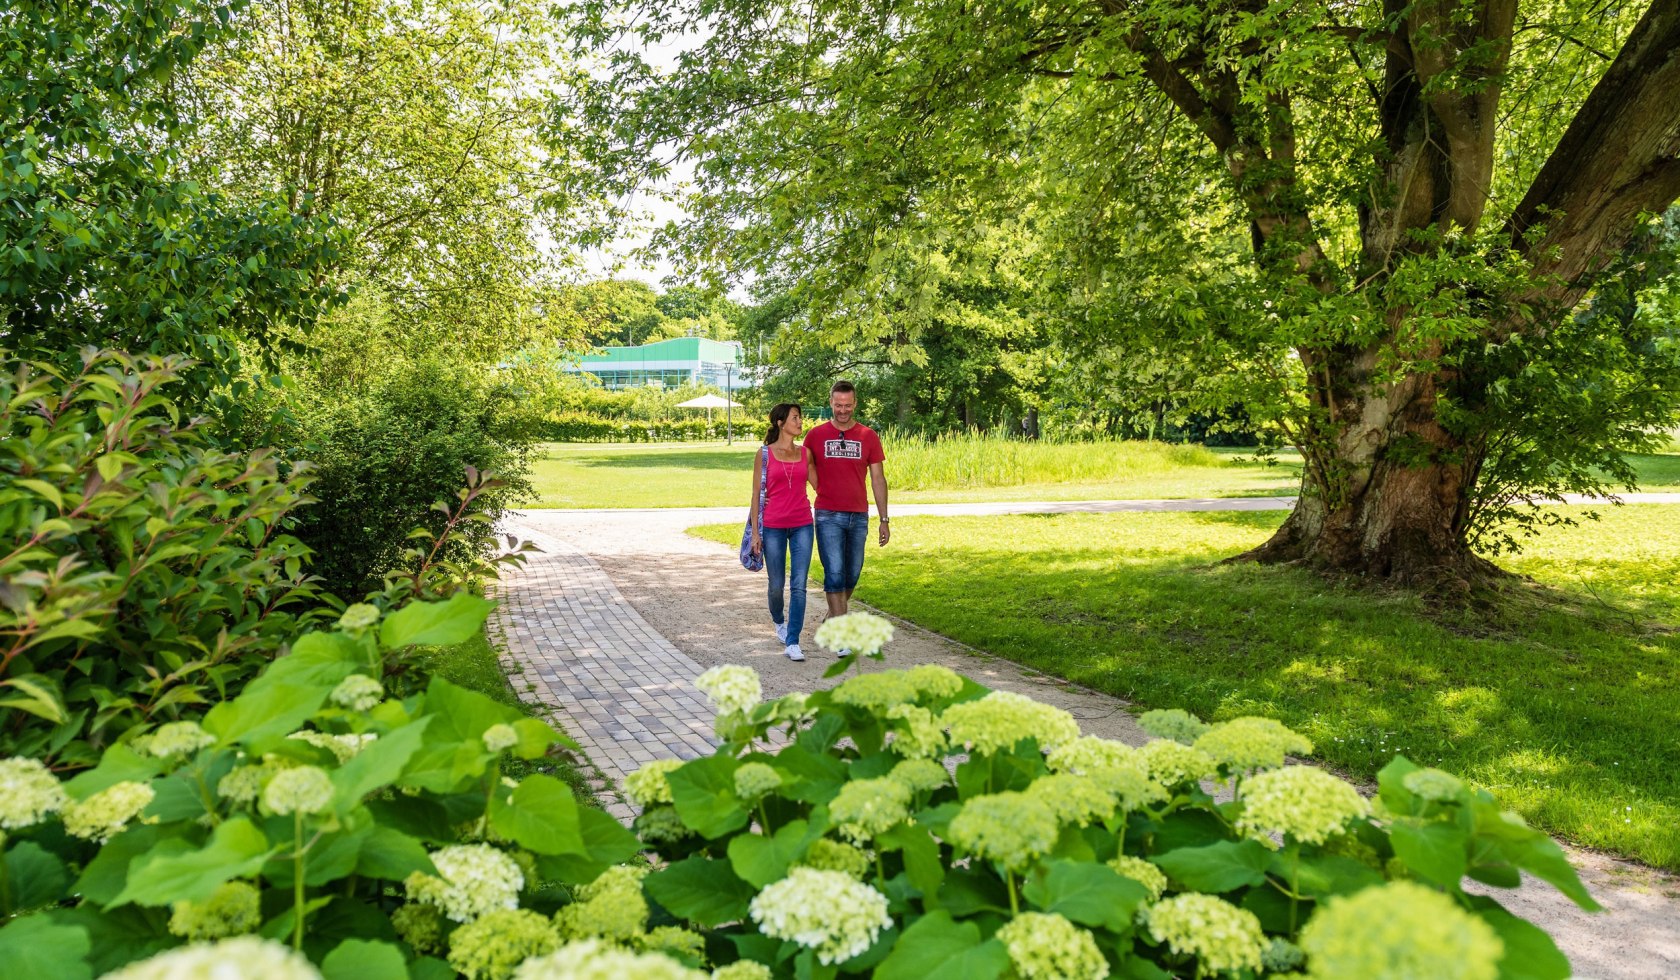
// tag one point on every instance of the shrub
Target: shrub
(382, 458)
(144, 572)
(580, 427)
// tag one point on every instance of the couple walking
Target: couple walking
(832, 460)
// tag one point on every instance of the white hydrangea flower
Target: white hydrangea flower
(498, 738)
(1049, 946)
(591, 959)
(731, 688)
(28, 792)
(305, 789)
(178, 738)
(103, 815)
(241, 958)
(827, 911)
(1303, 802)
(1222, 937)
(476, 878)
(861, 633)
(343, 747)
(358, 692)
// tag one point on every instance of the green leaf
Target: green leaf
(34, 877)
(435, 624)
(359, 959)
(921, 858)
(1323, 875)
(1220, 867)
(1087, 893)
(540, 815)
(119, 764)
(1530, 954)
(1391, 788)
(392, 855)
(705, 890)
(704, 793)
(818, 776)
(605, 843)
(378, 764)
(104, 877)
(1434, 851)
(265, 712)
(967, 892)
(40, 697)
(762, 860)
(317, 659)
(35, 946)
(236, 849)
(938, 948)
(536, 736)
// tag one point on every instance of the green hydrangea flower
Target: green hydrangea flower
(1142, 872)
(500, 738)
(244, 784)
(919, 735)
(591, 959)
(742, 970)
(420, 925)
(661, 825)
(1302, 802)
(476, 879)
(239, 958)
(1172, 764)
(1049, 946)
(861, 633)
(865, 808)
(1222, 937)
(648, 785)
(1434, 784)
(1173, 724)
(754, 780)
(1011, 829)
(1281, 956)
(1073, 799)
(178, 738)
(935, 681)
(877, 692)
(306, 790)
(1399, 931)
(611, 907)
(1088, 753)
(233, 909)
(731, 688)
(493, 945)
(833, 855)
(103, 815)
(358, 617)
(28, 792)
(920, 775)
(358, 693)
(827, 911)
(1003, 718)
(674, 941)
(1246, 744)
(343, 747)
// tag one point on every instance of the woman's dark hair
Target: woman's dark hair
(778, 415)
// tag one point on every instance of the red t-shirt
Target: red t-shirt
(842, 460)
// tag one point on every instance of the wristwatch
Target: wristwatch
(884, 520)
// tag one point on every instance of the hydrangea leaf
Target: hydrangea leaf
(1323, 875)
(319, 658)
(938, 948)
(119, 764)
(1528, 849)
(104, 877)
(1530, 954)
(435, 624)
(536, 736)
(1089, 894)
(967, 892)
(359, 959)
(539, 814)
(921, 858)
(35, 946)
(817, 776)
(703, 890)
(34, 877)
(378, 764)
(704, 794)
(1216, 868)
(236, 849)
(391, 854)
(605, 843)
(760, 860)
(1435, 851)
(265, 711)
(1391, 788)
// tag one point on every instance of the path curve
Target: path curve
(623, 609)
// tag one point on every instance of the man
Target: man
(843, 450)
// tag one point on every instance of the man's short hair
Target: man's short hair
(843, 388)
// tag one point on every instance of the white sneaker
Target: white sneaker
(781, 632)
(794, 653)
(842, 652)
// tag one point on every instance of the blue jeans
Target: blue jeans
(841, 536)
(785, 546)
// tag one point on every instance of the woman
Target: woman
(781, 472)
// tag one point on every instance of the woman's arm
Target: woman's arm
(810, 466)
(753, 516)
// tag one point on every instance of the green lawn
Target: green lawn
(1562, 700)
(588, 475)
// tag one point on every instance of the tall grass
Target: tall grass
(981, 460)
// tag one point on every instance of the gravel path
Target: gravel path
(622, 604)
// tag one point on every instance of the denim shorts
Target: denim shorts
(841, 536)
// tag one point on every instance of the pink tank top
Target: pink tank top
(786, 504)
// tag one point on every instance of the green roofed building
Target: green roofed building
(665, 363)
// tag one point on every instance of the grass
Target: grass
(1560, 700)
(475, 665)
(592, 475)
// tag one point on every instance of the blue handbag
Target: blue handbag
(750, 561)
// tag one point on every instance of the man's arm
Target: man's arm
(878, 483)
